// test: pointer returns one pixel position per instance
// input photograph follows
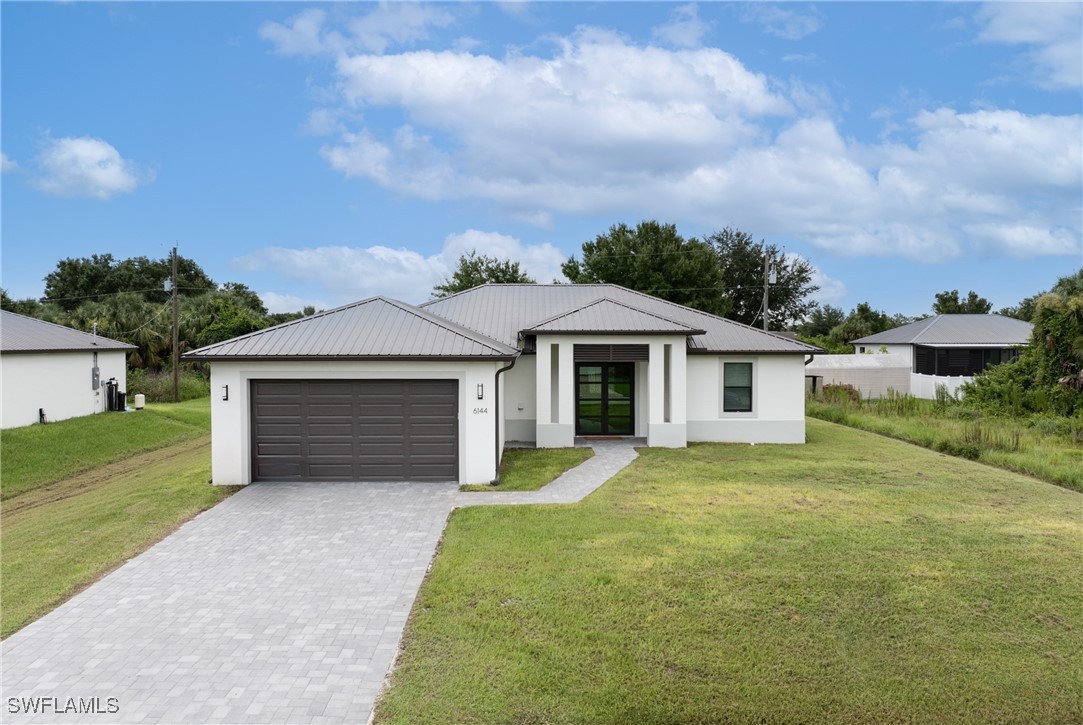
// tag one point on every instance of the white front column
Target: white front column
(672, 433)
(554, 386)
(542, 383)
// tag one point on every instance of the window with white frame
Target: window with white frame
(737, 387)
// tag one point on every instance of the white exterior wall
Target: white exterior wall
(924, 386)
(907, 350)
(778, 400)
(871, 382)
(231, 456)
(518, 397)
(58, 382)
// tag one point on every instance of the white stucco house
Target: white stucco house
(948, 350)
(381, 390)
(49, 372)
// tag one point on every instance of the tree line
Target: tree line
(127, 300)
(722, 274)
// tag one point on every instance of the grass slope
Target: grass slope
(38, 455)
(528, 469)
(62, 533)
(1048, 448)
(853, 579)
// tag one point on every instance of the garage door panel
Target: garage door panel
(336, 388)
(281, 387)
(329, 410)
(317, 448)
(292, 449)
(275, 428)
(272, 469)
(279, 410)
(323, 428)
(367, 430)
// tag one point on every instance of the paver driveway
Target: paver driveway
(283, 604)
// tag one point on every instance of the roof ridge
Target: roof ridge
(448, 325)
(592, 303)
(932, 323)
(812, 348)
(287, 323)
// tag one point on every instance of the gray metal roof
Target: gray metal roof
(955, 330)
(500, 311)
(609, 316)
(19, 333)
(373, 328)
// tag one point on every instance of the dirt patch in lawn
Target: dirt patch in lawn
(81, 482)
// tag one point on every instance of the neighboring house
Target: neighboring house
(949, 350)
(871, 375)
(54, 371)
(381, 390)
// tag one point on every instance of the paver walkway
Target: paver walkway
(283, 604)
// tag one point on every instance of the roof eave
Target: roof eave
(345, 358)
(685, 332)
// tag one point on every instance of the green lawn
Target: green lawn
(37, 455)
(852, 579)
(528, 469)
(63, 532)
(1050, 448)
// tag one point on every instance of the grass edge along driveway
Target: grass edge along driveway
(853, 579)
(62, 535)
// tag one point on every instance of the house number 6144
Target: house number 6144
(480, 411)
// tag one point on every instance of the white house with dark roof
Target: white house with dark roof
(380, 390)
(948, 350)
(54, 372)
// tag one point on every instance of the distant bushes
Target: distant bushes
(158, 386)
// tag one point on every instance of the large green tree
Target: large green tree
(76, 280)
(1047, 377)
(742, 261)
(475, 269)
(862, 321)
(655, 259)
(948, 303)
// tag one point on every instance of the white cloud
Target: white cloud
(1051, 29)
(344, 273)
(389, 24)
(685, 30)
(831, 289)
(780, 21)
(275, 302)
(7, 164)
(85, 166)
(605, 127)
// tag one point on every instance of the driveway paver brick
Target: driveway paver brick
(285, 603)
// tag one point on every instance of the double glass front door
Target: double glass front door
(603, 399)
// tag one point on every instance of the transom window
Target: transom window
(737, 387)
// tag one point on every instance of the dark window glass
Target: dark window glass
(737, 388)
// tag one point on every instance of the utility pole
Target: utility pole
(176, 335)
(766, 289)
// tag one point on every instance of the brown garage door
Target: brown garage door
(355, 430)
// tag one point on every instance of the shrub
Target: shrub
(158, 386)
(835, 392)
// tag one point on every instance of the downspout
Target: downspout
(496, 423)
(811, 357)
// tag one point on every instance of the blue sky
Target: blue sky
(326, 153)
